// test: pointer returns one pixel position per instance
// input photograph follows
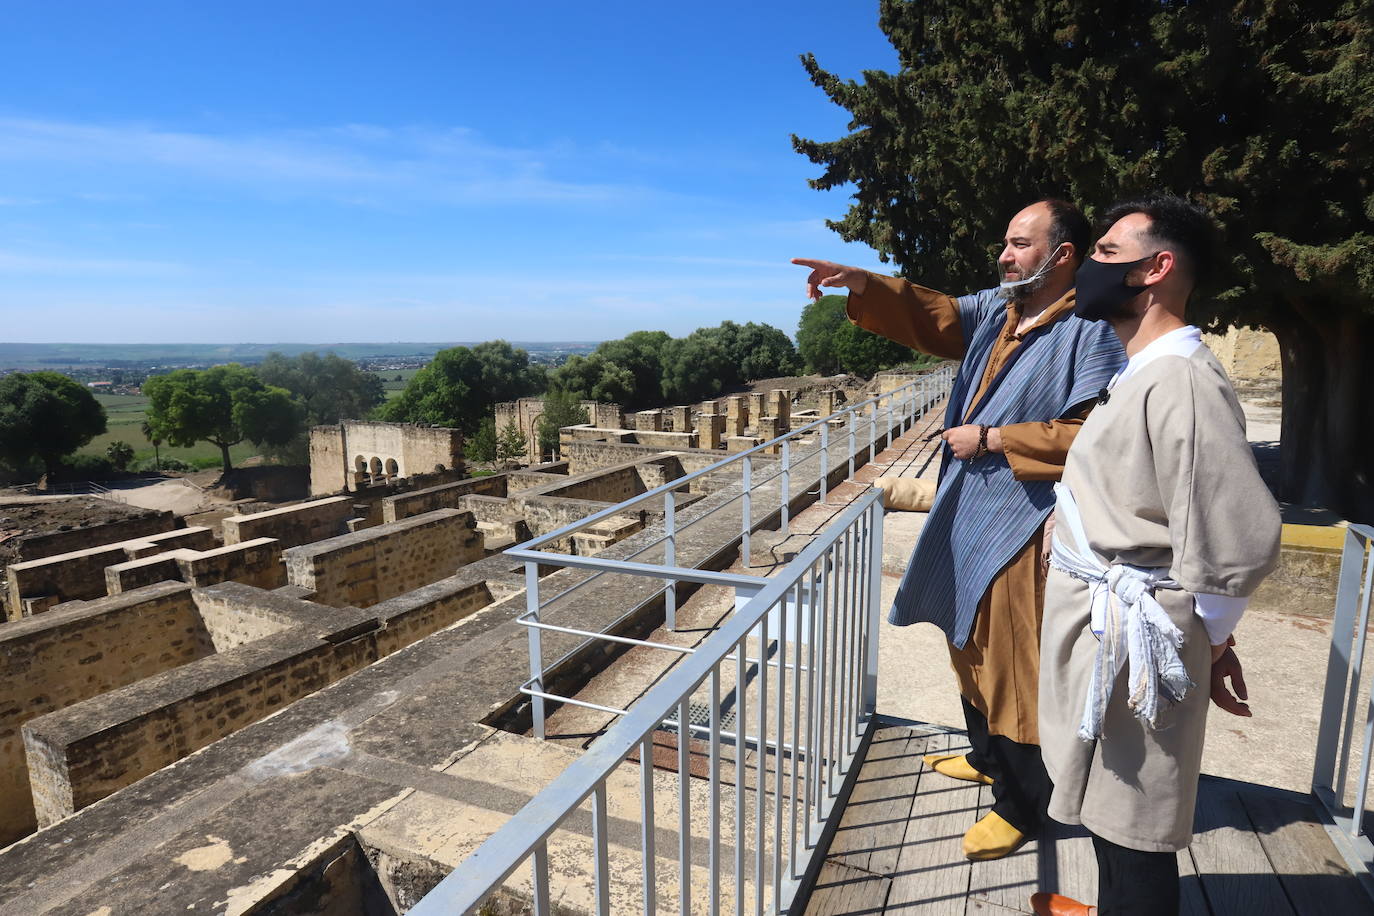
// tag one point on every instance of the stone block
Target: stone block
(736, 444)
(649, 420)
(710, 429)
(756, 410)
(681, 419)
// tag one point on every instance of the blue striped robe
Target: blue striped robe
(982, 514)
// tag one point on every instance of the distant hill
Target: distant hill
(60, 355)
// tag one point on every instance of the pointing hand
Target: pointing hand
(828, 273)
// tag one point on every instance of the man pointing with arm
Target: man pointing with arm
(1030, 372)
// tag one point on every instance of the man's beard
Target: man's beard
(1023, 292)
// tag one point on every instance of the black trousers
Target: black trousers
(1135, 883)
(1021, 787)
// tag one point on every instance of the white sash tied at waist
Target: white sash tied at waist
(1144, 634)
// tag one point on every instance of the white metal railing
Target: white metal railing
(809, 720)
(87, 487)
(1348, 683)
(803, 453)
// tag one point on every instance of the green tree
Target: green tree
(462, 385)
(222, 405)
(328, 388)
(44, 416)
(758, 351)
(511, 442)
(697, 366)
(119, 453)
(641, 354)
(821, 320)
(595, 378)
(153, 436)
(481, 445)
(1258, 109)
(830, 342)
(560, 409)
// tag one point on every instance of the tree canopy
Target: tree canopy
(560, 409)
(222, 405)
(328, 388)
(45, 415)
(829, 342)
(708, 360)
(1259, 110)
(462, 385)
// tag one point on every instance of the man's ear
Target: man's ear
(1163, 265)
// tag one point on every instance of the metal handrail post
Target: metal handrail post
(745, 524)
(786, 483)
(670, 557)
(873, 431)
(1353, 694)
(852, 439)
(536, 646)
(874, 610)
(825, 460)
(1338, 660)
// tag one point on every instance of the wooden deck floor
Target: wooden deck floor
(1256, 851)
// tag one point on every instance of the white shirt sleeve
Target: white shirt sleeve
(1220, 614)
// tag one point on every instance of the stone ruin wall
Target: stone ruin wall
(53, 661)
(35, 585)
(369, 566)
(275, 650)
(352, 453)
(526, 413)
(1250, 356)
(50, 543)
(221, 664)
(292, 526)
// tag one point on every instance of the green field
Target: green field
(125, 414)
(395, 380)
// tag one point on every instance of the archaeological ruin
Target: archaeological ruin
(144, 663)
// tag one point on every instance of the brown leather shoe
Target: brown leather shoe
(1045, 904)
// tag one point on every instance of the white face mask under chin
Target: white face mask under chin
(1008, 289)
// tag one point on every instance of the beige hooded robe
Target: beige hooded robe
(1163, 477)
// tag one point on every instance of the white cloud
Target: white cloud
(356, 163)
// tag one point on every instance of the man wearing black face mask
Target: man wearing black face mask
(1163, 529)
(1030, 370)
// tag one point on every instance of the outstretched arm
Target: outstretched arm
(912, 315)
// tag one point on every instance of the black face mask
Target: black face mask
(1102, 289)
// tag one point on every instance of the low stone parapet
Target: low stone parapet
(291, 525)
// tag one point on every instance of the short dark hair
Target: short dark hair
(1068, 224)
(1182, 227)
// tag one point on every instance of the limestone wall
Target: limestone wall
(69, 655)
(1250, 356)
(257, 562)
(611, 485)
(329, 465)
(418, 502)
(353, 452)
(84, 753)
(52, 543)
(369, 566)
(80, 575)
(291, 525)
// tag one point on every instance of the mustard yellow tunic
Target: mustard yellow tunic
(999, 668)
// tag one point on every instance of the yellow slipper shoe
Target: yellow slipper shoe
(956, 766)
(992, 838)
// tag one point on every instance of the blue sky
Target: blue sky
(329, 172)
